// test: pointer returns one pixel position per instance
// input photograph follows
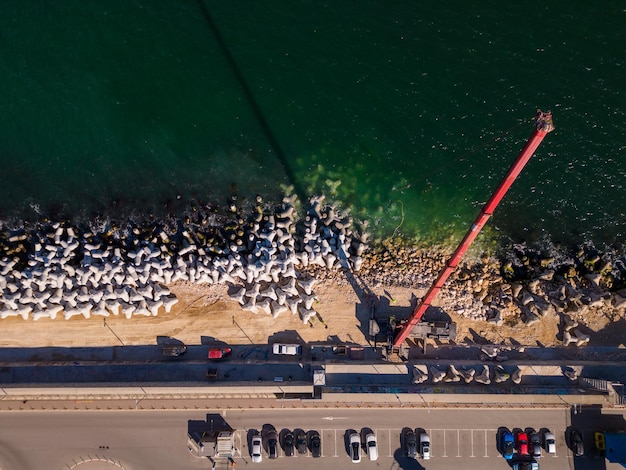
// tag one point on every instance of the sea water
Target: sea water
(405, 114)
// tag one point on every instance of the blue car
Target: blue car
(508, 445)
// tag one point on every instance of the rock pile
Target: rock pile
(57, 268)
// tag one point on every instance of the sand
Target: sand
(205, 314)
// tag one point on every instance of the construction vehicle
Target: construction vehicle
(401, 330)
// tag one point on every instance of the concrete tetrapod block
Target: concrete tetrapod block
(250, 306)
(169, 302)
(436, 374)
(292, 303)
(581, 338)
(483, 377)
(113, 305)
(308, 301)
(306, 314)
(568, 339)
(263, 306)
(419, 376)
(467, 374)
(452, 375)
(281, 296)
(100, 309)
(239, 295)
(500, 375)
(569, 323)
(277, 309)
(269, 293)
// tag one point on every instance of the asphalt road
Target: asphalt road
(158, 439)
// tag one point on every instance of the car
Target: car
(301, 442)
(535, 445)
(288, 444)
(549, 442)
(522, 443)
(410, 445)
(525, 466)
(576, 442)
(215, 354)
(355, 447)
(316, 445)
(287, 349)
(372, 446)
(256, 449)
(272, 445)
(508, 445)
(425, 446)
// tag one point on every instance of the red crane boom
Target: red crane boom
(543, 125)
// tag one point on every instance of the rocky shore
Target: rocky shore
(271, 256)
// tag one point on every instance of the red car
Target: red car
(219, 353)
(522, 443)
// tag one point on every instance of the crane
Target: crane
(543, 126)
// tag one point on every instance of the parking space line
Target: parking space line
(336, 444)
(389, 443)
(444, 444)
(486, 455)
(472, 442)
(458, 443)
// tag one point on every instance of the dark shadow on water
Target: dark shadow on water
(254, 105)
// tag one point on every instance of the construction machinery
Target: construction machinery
(405, 328)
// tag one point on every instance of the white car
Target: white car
(256, 449)
(288, 349)
(549, 442)
(355, 447)
(425, 446)
(371, 446)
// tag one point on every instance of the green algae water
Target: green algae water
(406, 114)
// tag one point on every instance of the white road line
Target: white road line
(335, 444)
(486, 455)
(458, 443)
(472, 442)
(444, 444)
(389, 443)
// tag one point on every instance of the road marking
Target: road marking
(458, 443)
(472, 442)
(486, 455)
(389, 443)
(336, 444)
(444, 444)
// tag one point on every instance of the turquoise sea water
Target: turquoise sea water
(405, 113)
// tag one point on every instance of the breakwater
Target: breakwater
(102, 269)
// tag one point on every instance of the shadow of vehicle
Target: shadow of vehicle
(405, 463)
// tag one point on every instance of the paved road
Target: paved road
(157, 439)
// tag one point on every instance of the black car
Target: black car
(301, 442)
(535, 445)
(410, 445)
(576, 443)
(316, 445)
(288, 444)
(272, 445)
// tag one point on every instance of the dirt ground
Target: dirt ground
(205, 314)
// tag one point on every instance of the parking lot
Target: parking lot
(478, 443)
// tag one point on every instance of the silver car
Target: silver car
(256, 449)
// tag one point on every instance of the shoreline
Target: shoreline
(275, 262)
